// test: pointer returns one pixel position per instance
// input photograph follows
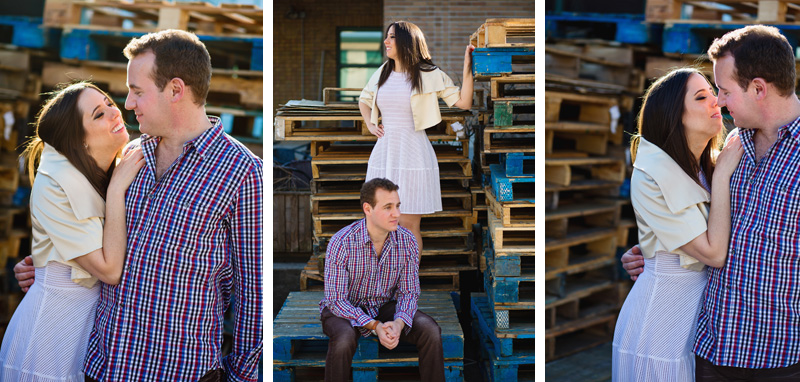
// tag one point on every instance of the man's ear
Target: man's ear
(177, 89)
(760, 87)
(367, 208)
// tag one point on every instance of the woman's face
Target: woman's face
(102, 122)
(702, 118)
(389, 44)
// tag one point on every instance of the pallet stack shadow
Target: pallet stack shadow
(503, 318)
(92, 35)
(590, 84)
(19, 91)
(300, 347)
(340, 148)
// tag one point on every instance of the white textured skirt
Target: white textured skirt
(655, 331)
(48, 335)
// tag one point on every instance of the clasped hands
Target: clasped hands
(389, 332)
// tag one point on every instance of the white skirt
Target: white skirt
(655, 331)
(48, 335)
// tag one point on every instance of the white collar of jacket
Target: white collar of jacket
(86, 202)
(679, 190)
(424, 104)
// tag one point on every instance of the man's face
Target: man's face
(740, 103)
(148, 102)
(386, 212)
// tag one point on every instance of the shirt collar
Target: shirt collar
(201, 143)
(792, 128)
(362, 228)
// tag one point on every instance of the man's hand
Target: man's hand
(25, 272)
(633, 262)
(394, 328)
(383, 336)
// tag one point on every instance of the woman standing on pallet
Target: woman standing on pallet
(674, 180)
(405, 92)
(79, 235)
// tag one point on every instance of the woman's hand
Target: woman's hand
(126, 170)
(376, 130)
(468, 61)
(729, 158)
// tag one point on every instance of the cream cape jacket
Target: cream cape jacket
(671, 208)
(425, 104)
(66, 214)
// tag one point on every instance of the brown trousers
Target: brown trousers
(706, 371)
(425, 333)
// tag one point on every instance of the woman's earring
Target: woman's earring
(85, 145)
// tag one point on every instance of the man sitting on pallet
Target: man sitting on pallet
(372, 287)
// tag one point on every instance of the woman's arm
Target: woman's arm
(465, 102)
(366, 113)
(711, 248)
(106, 263)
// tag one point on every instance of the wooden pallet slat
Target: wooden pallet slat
(500, 33)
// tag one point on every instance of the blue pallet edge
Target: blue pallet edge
(496, 61)
(481, 311)
(630, 28)
(502, 184)
(28, 32)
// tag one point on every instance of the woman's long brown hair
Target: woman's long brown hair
(661, 123)
(412, 52)
(60, 124)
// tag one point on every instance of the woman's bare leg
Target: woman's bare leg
(411, 223)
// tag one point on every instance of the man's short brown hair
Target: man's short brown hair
(758, 51)
(369, 188)
(179, 54)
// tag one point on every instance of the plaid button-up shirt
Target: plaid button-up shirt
(751, 315)
(194, 241)
(358, 281)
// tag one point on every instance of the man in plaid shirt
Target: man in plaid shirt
(194, 223)
(372, 287)
(749, 323)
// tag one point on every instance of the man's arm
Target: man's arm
(408, 289)
(633, 262)
(246, 260)
(336, 285)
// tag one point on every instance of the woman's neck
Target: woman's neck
(398, 67)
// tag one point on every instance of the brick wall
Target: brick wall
(322, 17)
(447, 25)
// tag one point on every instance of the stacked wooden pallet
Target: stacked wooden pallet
(19, 89)
(300, 347)
(504, 57)
(94, 33)
(584, 172)
(340, 149)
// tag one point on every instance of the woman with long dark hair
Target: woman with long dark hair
(79, 235)
(405, 92)
(681, 196)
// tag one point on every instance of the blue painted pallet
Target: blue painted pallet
(695, 38)
(625, 28)
(506, 264)
(508, 289)
(497, 61)
(508, 189)
(503, 369)
(28, 32)
(505, 344)
(298, 340)
(519, 164)
(104, 45)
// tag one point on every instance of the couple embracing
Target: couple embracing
(718, 291)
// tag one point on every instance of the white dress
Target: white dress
(403, 155)
(655, 331)
(47, 338)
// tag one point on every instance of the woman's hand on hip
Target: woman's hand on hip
(376, 130)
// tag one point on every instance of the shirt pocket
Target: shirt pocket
(390, 276)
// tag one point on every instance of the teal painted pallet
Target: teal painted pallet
(298, 340)
(515, 113)
(28, 32)
(508, 289)
(503, 369)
